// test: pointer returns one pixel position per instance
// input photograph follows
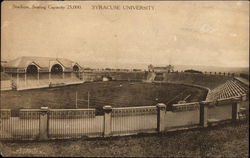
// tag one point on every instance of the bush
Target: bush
(193, 71)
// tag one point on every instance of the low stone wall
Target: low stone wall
(220, 110)
(187, 114)
(182, 118)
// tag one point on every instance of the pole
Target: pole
(49, 72)
(76, 99)
(38, 76)
(17, 79)
(25, 77)
(88, 99)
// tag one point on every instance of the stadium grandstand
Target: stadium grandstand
(39, 72)
(231, 88)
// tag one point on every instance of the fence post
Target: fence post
(235, 108)
(43, 123)
(107, 120)
(203, 113)
(161, 112)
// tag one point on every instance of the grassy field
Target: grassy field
(112, 93)
(230, 140)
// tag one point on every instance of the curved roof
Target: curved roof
(41, 62)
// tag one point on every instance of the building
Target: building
(168, 69)
(36, 72)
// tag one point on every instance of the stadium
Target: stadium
(95, 89)
(54, 98)
(170, 81)
(158, 84)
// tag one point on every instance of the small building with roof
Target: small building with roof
(168, 68)
(31, 72)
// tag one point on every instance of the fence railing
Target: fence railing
(74, 123)
(26, 126)
(44, 123)
(187, 114)
(133, 120)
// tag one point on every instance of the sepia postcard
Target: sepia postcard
(124, 79)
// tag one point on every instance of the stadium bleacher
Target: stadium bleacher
(231, 88)
(221, 86)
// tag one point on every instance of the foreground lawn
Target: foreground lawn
(229, 140)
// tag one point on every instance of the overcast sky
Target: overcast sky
(187, 33)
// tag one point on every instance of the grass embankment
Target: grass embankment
(229, 140)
